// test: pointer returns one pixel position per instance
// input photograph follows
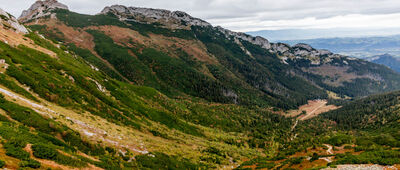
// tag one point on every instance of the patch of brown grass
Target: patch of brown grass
(15, 39)
(126, 36)
(312, 108)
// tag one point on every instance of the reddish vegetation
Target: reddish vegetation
(131, 38)
(77, 36)
(127, 36)
(307, 164)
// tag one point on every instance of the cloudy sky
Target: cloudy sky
(253, 15)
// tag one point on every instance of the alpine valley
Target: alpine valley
(141, 88)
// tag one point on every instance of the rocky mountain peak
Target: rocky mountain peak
(174, 20)
(40, 9)
(8, 21)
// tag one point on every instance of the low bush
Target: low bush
(340, 139)
(17, 153)
(30, 163)
(14, 149)
(2, 163)
(163, 161)
(44, 152)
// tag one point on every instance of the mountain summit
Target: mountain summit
(40, 9)
(175, 19)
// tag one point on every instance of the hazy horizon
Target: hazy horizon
(309, 34)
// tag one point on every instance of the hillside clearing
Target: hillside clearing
(312, 108)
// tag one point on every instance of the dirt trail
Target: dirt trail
(329, 151)
(295, 124)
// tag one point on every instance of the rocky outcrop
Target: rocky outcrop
(41, 9)
(284, 51)
(173, 20)
(238, 35)
(7, 21)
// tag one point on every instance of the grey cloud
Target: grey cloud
(228, 12)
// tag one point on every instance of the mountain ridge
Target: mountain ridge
(360, 47)
(387, 60)
(177, 18)
(300, 57)
(185, 22)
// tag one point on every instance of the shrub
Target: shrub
(163, 161)
(19, 143)
(295, 161)
(340, 139)
(348, 147)
(44, 152)
(314, 157)
(66, 160)
(17, 153)
(30, 163)
(2, 163)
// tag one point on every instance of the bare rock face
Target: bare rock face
(40, 9)
(285, 52)
(238, 35)
(168, 19)
(7, 21)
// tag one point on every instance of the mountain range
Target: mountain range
(142, 88)
(360, 47)
(324, 33)
(387, 60)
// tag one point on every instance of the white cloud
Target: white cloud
(250, 15)
(374, 21)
